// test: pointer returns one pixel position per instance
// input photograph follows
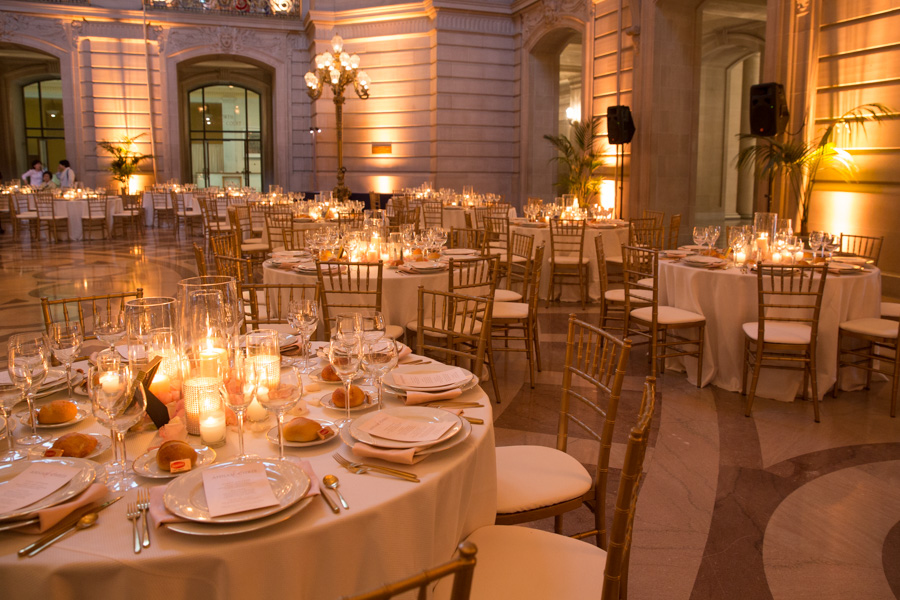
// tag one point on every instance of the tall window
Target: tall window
(44, 126)
(225, 136)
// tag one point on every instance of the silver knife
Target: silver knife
(329, 502)
(56, 534)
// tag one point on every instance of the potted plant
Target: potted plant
(580, 160)
(800, 161)
(125, 159)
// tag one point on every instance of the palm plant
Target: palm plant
(800, 161)
(125, 160)
(580, 160)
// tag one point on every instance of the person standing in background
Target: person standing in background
(65, 175)
(34, 176)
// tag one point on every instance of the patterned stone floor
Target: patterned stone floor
(772, 506)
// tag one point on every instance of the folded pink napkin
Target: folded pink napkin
(404, 351)
(53, 515)
(413, 398)
(161, 514)
(406, 456)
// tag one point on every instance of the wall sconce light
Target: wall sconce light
(382, 148)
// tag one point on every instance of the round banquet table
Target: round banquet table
(728, 299)
(613, 239)
(393, 529)
(399, 291)
(77, 208)
(190, 202)
(454, 216)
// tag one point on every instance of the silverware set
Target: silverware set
(80, 519)
(359, 468)
(137, 513)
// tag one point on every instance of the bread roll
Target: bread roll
(76, 445)
(328, 374)
(302, 429)
(58, 411)
(175, 450)
(357, 396)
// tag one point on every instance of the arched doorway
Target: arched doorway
(554, 85)
(31, 105)
(226, 122)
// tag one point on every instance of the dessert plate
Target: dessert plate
(272, 435)
(145, 464)
(103, 444)
(414, 413)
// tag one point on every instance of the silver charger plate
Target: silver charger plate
(184, 496)
(145, 464)
(272, 436)
(25, 418)
(433, 367)
(417, 413)
(457, 439)
(463, 388)
(217, 529)
(84, 478)
(103, 444)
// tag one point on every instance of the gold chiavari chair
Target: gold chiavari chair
(163, 209)
(55, 224)
(63, 307)
(567, 259)
(658, 216)
(23, 214)
(519, 256)
(645, 233)
(225, 244)
(497, 227)
(433, 213)
(294, 239)
(461, 568)
(200, 258)
(211, 221)
(646, 318)
(409, 216)
(786, 330)
(675, 231)
(351, 221)
(132, 214)
(254, 247)
(95, 219)
(239, 268)
(877, 354)
(267, 304)
(890, 310)
(474, 239)
(276, 223)
(612, 302)
(509, 318)
(475, 276)
(185, 214)
(351, 287)
(535, 482)
(480, 212)
(866, 246)
(530, 564)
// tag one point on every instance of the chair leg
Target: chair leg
(895, 376)
(529, 353)
(537, 346)
(745, 362)
(837, 379)
(493, 373)
(700, 357)
(558, 524)
(813, 381)
(550, 286)
(757, 365)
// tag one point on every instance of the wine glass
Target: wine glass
(712, 236)
(29, 362)
(348, 326)
(263, 364)
(699, 235)
(238, 389)
(816, 239)
(10, 395)
(372, 328)
(303, 315)
(345, 354)
(280, 399)
(379, 357)
(118, 402)
(65, 343)
(831, 244)
(109, 323)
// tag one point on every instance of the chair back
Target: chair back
(467, 238)
(161, 200)
(658, 216)
(640, 270)
(497, 230)
(534, 269)
(567, 240)
(675, 231)
(240, 221)
(132, 203)
(294, 239)
(615, 574)
(210, 219)
(19, 203)
(433, 213)
(645, 233)
(267, 303)
(348, 287)
(521, 246)
(239, 268)
(790, 294)
(66, 306)
(601, 265)
(480, 213)
(178, 201)
(351, 221)
(455, 326)
(593, 376)
(862, 245)
(225, 244)
(45, 206)
(200, 258)
(500, 209)
(97, 207)
(475, 276)
(461, 568)
(276, 223)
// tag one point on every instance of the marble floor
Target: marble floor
(772, 506)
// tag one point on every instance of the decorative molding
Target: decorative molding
(18, 25)
(459, 21)
(548, 13)
(354, 31)
(9, 23)
(224, 40)
(802, 7)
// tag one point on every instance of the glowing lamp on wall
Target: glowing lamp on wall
(608, 194)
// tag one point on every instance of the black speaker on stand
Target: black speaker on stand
(768, 109)
(620, 129)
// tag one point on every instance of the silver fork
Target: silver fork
(359, 468)
(133, 514)
(143, 503)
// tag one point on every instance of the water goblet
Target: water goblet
(10, 395)
(699, 235)
(281, 399)
(65, 343)
(379, 357)
(712, 235)
(816, 240)
(345, 354)
(831, 244)
(109, 323)
(238, 389)
(303, 315)
(29, 363)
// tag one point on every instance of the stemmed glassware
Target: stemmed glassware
(109, 324)
(345, 354)
(281, 399)
(712, 236)
(118, 404)
(699, 235)
(379, 357)
(816, 240)
(29, 362)
(65, 343)
(10, 395)
(831, 244)
(737, 239)
(303, 315)
(238, 391)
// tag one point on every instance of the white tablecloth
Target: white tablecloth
(399, 291)
(613, 238)
(454, 216)
(728, 299)
(393, 529)
(76, 209)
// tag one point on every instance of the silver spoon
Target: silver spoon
(331, 482)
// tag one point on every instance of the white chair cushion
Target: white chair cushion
(28, 214)
(246, 247)
(668, 315)
(501, 295)
(875, 327)
(525, 564)
(648, 281)
(570, 260)
(530, 477)
(510, 310)
(476, 328)
(394, 332)
(614, 259)
(519, 259)
(780, 333)
(890, 310)
(619, 295)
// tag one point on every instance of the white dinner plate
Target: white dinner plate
(371, 400)
(22, 415)
(694, 247)
(284, 339)
(145, 464)
(52, 382)
(103, 444)
(850, 260)
(457, 439)
(85, 477)
(184, 496)
(699, 260)
(216, 529)
(459, 252)
(426, 369)
(844, 268)
(413, 413)
(428, 266)
(463, 388)
(272, 435)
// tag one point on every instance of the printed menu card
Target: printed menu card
(237, 488)
(433, 379)
(37, 481)
(404, 430)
